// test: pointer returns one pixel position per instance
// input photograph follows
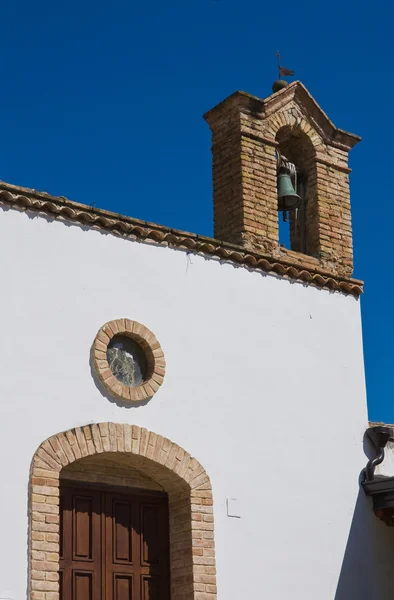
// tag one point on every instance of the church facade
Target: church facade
(183, 417)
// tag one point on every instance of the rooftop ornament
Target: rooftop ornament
(282, 72)
(379, 487)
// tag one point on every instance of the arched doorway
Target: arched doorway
(130, 466)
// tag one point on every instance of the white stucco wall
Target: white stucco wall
(264, 386)
(386, 468)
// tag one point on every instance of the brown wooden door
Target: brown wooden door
(114, 545)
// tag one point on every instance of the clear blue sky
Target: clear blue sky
(102, 102)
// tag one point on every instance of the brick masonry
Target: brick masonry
(116, 470)
(192, 548)
(246, 132)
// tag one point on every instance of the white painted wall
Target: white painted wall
(386, 468)
(264, 386)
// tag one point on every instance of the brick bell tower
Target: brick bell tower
(249, 137)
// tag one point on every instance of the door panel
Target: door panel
(82, 528)
(136, 544)
(122, 521)
(83, 585)
(123, 587)
(150, 550)
(80, 538)
(150, 588)
(114, 545)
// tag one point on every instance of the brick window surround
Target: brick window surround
(154, 355)
(192, 549)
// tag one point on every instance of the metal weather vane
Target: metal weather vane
(283, 71)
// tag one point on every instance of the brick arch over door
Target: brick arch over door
(192, 554)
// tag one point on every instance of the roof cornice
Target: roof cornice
(61, 208)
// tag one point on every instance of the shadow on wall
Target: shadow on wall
(367, 571)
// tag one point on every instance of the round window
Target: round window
(126, 360)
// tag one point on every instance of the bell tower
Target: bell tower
(284, 154)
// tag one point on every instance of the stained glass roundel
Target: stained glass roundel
(126, 360)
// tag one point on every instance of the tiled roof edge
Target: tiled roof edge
(61, 208)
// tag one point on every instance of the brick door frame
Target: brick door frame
(192, 550)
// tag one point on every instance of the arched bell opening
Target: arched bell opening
(124, 488)
(297, 202)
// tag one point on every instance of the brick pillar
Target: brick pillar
(244, 175)
(334, 219)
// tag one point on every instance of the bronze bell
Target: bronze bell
(288, 199)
